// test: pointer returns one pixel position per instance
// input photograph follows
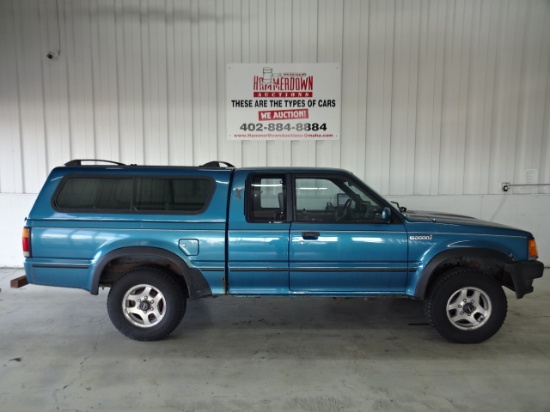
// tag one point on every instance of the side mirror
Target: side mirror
(386, 214)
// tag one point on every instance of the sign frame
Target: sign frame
(283, 102)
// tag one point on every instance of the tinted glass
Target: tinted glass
(97, 194)
(187, 195)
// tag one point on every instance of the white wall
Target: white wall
(442, 100)
(13, 210)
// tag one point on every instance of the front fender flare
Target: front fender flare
(424, 278)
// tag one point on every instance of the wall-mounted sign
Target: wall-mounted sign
(283, 101)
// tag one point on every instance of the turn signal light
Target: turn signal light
(533, 253)
(26, 237)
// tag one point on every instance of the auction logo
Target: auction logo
(282, 85)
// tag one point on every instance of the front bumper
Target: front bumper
(522, 275)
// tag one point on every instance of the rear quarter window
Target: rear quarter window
(183, 195)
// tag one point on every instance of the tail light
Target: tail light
(533, 253)
(26, 238)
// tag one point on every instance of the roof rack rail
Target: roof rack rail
(78, 162)
(217, 163)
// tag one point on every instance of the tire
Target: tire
(146, 304)
(466, 306)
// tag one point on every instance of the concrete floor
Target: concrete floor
(59, 352)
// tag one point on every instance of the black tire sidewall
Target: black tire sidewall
(174, 300)
(448, 284)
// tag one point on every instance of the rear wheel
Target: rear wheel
(466, 306)
(146, 304)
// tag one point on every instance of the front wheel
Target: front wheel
(466, 306)
(146, 304)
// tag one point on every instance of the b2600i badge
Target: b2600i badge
(425, 237)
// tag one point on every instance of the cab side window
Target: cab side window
(334, 200)
(266, 198)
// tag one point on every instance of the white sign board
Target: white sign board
(284, 101)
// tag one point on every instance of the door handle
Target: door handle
(310, 235)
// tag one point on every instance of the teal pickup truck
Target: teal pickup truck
(159, 235)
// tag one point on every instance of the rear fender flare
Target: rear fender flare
(197, 286)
